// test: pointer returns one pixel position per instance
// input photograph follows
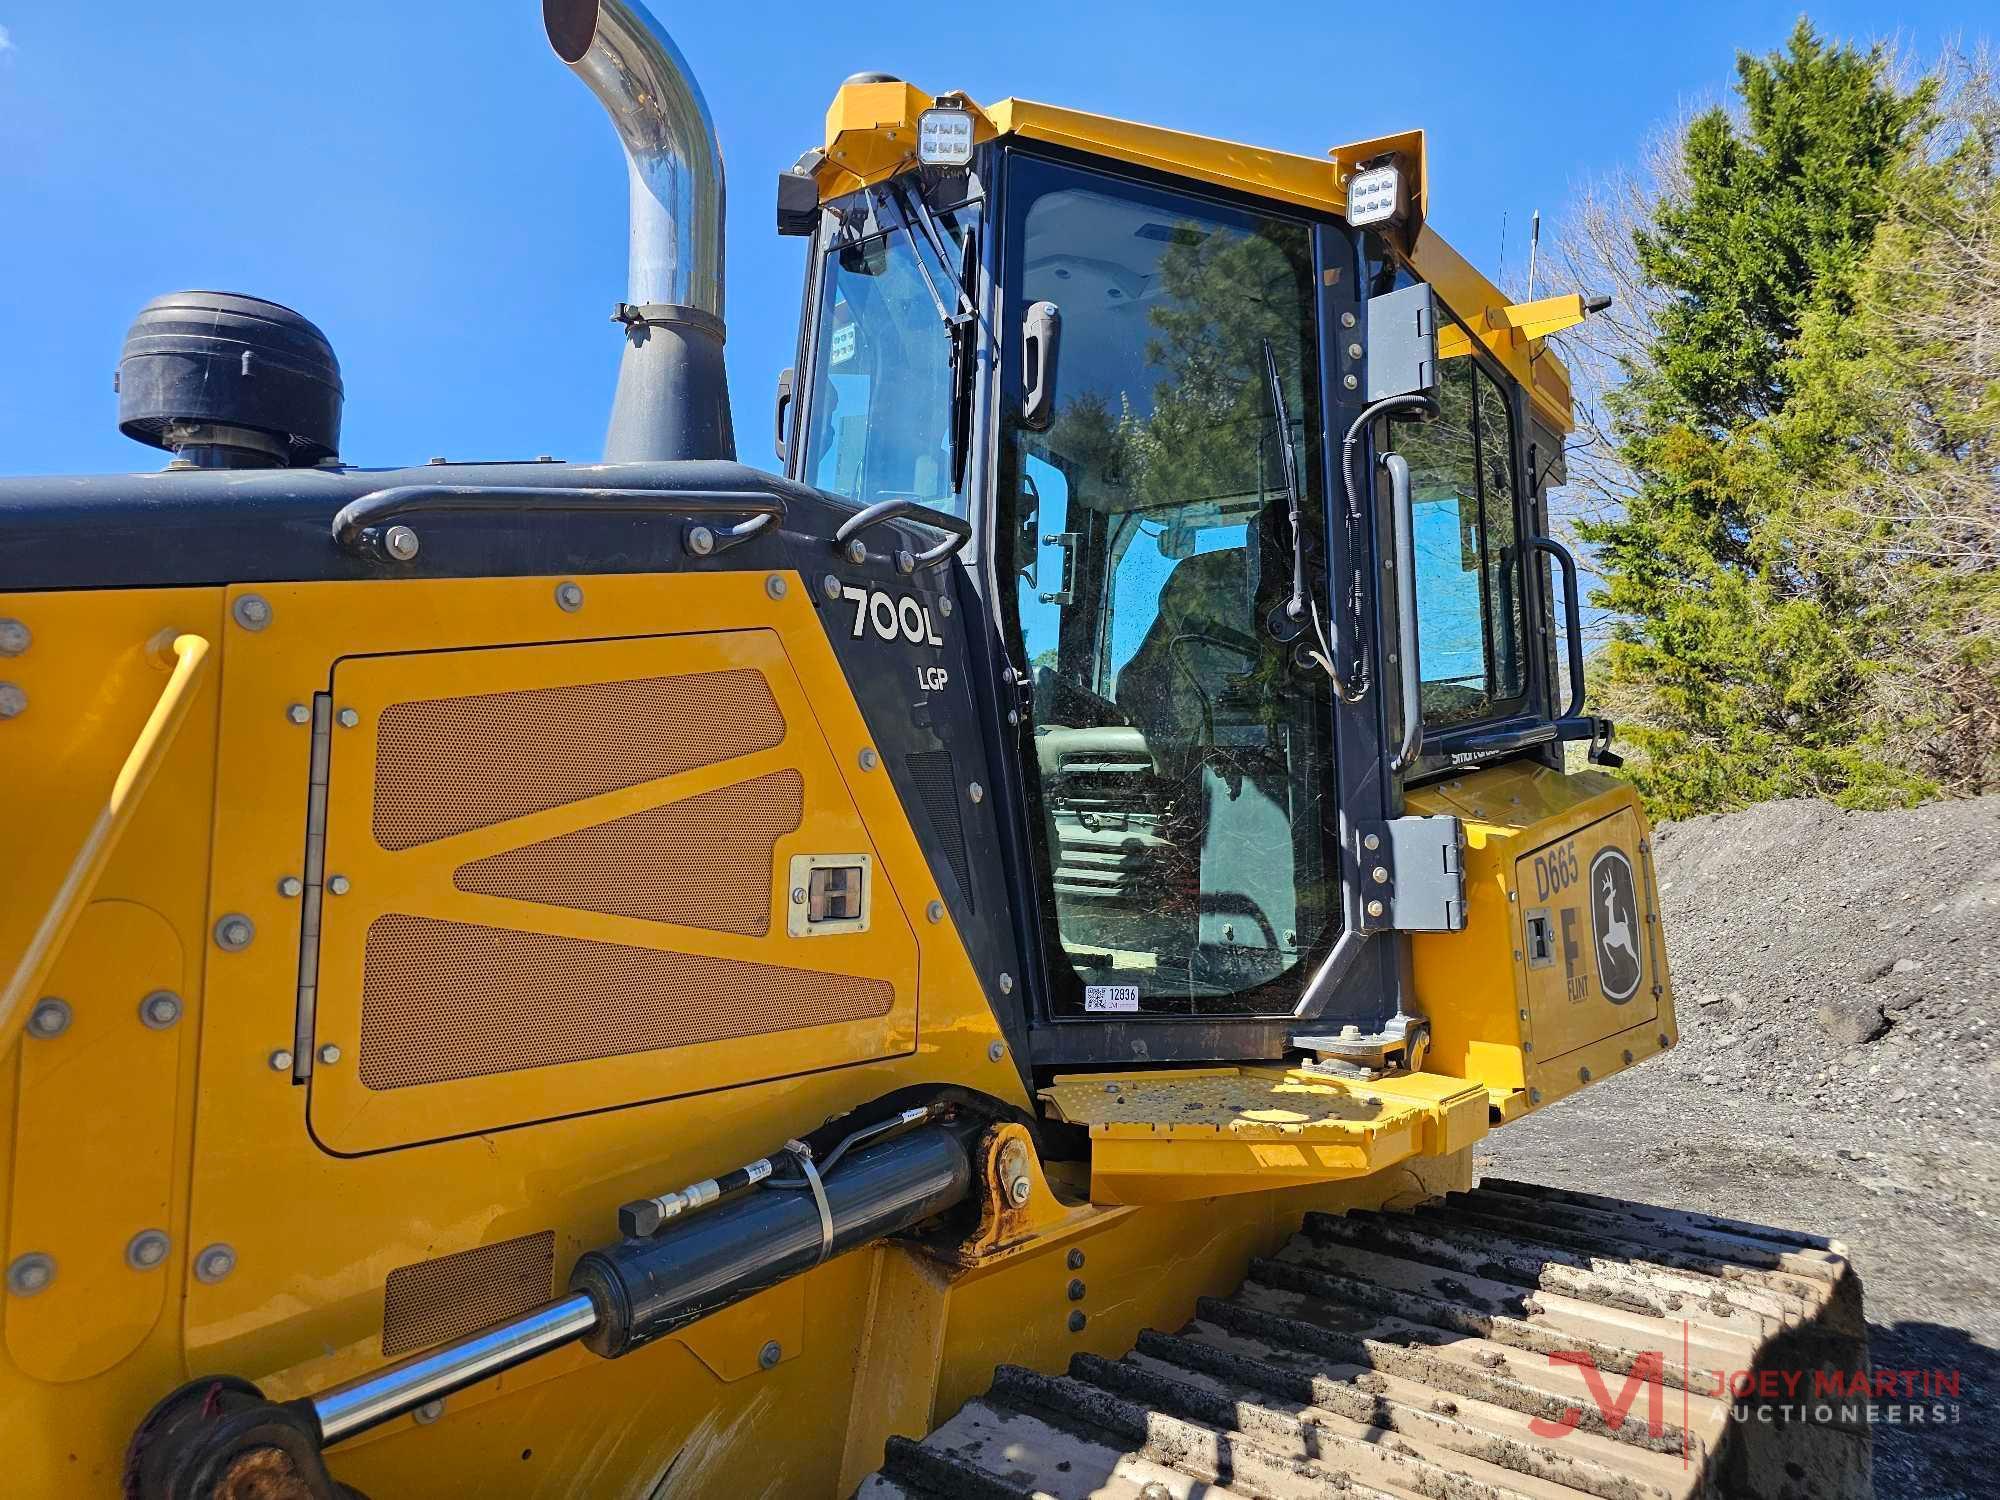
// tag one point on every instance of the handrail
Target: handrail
(170, 711)
(957, 530)
(1404, 521)
(361, 525)
(1573, 619)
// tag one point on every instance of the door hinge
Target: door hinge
(1411, 872)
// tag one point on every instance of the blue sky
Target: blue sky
(426, 182)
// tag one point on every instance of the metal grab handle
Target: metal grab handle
(142, 762)
(1403, 518)
(361, 527)
(959, 531)
(1573, 618)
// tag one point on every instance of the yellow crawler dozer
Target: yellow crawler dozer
(973, 967)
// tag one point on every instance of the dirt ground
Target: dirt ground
(1839, 1072)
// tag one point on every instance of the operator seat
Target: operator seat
(1202, 637)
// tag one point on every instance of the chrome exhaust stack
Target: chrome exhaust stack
(673, 393)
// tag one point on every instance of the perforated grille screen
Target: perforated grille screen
(441, 1299)
(936, 781)
(446, 765)
(442, 1000)
(703, 862)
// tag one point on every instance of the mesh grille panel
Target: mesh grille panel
(442, 1000)
(447, 765)
(702, 862)
(936, 780)
(441, 1299)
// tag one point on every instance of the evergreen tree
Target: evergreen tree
(1742, 652)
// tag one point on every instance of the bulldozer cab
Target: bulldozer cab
(1142, 389)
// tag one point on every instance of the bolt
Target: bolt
(234, 932)
(700, 541)
(1524, 1015)
(1380, 874)
(214, 1263)
(1077, 1320)
(281, 1060)
(830, 586)
(1006, 984)
(798, 895)
(775, 586)
(15, 637)
(30, 1273)
(1375, 908)
(856, 551)
(1371, 841)
(1534, 1096)
(1527, 1046)
(1013, 716)
(1663, 1040)
(429, 1412)
(340, 885)
(1019, 1189)
(1349, 381)
(1076, 1260)
(329, 1054)
(944, 606)
(160, 1009)
(869, 759)
(905, 563)
(400, 543)
(13, 702)
(50, 1017)
(935, 911)
(348, 718)
(1354, 351)
(1583, 1075)
(995, 1051)
(770, 1354)
(290, 885)
(976, 792)
(147, 1249)
(252, 611)
(569, 596)
(1347, 320)
(1076, 1289)
(298, 713)
(1628, 1056)
(1291, 937)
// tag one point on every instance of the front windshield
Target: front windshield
(879, 423)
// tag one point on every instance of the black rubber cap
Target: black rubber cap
(870, 76)
(224, 358)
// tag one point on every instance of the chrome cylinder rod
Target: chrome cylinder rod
(374, 1399)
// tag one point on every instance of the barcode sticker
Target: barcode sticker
(1102, 997)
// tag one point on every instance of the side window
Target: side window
(1470, 625)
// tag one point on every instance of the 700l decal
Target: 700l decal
(891, 618)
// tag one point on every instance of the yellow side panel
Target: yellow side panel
(95, 1122)
(399, 906)
(1530, 1032)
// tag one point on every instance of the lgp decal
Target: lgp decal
(1614, 922)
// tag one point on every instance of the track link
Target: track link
(1404, 1355)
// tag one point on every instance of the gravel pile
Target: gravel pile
(1836, 977)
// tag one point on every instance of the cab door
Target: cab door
(1180, 768)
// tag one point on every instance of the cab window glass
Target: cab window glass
(1470, 624)
(878, 425)
(1181, 757)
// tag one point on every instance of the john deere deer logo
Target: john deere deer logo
(1614, 919)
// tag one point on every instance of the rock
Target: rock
(1708, 997)
(1852, 1019)
(1906, 966)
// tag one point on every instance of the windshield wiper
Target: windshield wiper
(1294, 607)
(961, 322)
